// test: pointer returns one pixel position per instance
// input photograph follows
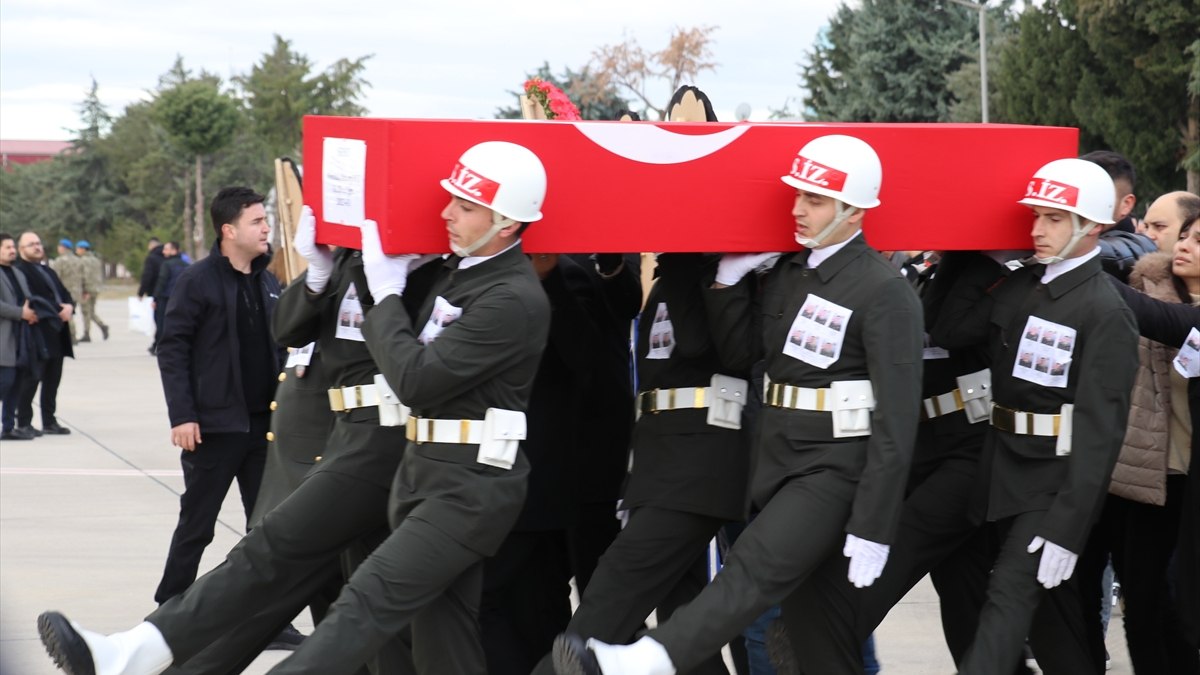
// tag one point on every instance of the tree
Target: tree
(595, 100)
(963, 84)
(886, 61)
(629, 68)
(280, 90)
(200, 120)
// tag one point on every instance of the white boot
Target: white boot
(139, 651)
(644, 657)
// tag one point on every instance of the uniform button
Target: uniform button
(317, 458)
(270, 435)
(282, 377)
(274, 406)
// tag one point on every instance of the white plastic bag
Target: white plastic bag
(141, 316)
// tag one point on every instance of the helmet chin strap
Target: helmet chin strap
(1079, 230)
(499, 222)
(840, 215)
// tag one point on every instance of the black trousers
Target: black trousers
(208, 472)
(160, 316)
(935, 535)
(1064, 639)
(51, 377)
(526, 600)
(801, 526)
(594, 531)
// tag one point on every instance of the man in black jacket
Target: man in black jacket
(150, 269)
(169, 269)
(55, 307)
(218, 364)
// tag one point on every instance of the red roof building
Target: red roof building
(29, 152)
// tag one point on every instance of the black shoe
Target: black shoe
(572, 656)
(85, 338)
(29, 430)
(104, 331)
(55, 429)
(288, 639)
(153, 350)
(65, 645)
(18, 434)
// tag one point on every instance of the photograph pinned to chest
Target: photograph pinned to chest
(443, 315)
(1044, 353)
(1187, 361)
(662, 334)
(350, 316)
(817, 333)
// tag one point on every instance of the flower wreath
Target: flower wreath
(553, 101)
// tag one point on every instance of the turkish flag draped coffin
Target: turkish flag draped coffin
(647, 186)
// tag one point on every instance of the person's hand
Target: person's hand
(186, 436)
(320, 260)
(66, 312)
(1057, 563)
(544, 264)
(867, 559)
(734, 266)
(386, 275)
(28, 314)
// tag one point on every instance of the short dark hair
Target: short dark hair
(1115, 164)
(1189, 211)
(155, 240)
(174, 244)
(229, 203)
(4, 236)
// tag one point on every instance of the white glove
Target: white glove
(734, 266)
(386, 275)
(320, 260)
(866, 560)
(1057, 564)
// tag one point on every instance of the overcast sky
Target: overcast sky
(431, 59)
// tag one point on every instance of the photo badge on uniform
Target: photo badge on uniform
(350, 317)
(443, 315)
(1044, 353)
(301, 356)
(1187, 361)
(817, 334)
(662, 334)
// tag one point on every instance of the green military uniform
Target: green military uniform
(69, 269)
(92, 275)
(449, 511)
(812, 488)
(1029, 488)
(291, 553)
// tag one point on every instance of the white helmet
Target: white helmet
(842, 167)
(1075, 185)
(505, 177)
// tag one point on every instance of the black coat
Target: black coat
(55, 332)
(154, 261)
(199, 357)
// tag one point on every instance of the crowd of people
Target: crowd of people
(429, 480)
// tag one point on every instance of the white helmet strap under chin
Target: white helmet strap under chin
(1079, 230)
(840, 215)
(499, 222)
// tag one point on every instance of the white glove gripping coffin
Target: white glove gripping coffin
(853, 401)
(320, 261)
(503, 431)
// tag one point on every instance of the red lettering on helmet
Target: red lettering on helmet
(815, 173)
(1052, 191)
(473, 183)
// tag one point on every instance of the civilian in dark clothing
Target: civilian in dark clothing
(55, 307)
(218, 364)
(168, 273)
(16, 318)
(150, 269)
(1120, 244)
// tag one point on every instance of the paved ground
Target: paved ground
(85, 519)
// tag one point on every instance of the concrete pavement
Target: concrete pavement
(85, 519)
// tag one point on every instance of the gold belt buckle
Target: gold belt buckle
(337, 402)
(410, 429)
(649, 401)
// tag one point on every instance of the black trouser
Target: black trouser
(10, 388)
(798, 529)
(1064, 639)
(52, 370)
(208, 472)
(935, 535)
(160, 317)
(526, 600)
(594, 531)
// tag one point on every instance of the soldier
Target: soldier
(1054, 438)
(92, 277)
(69, 270)
(453, 498)
(836, 432)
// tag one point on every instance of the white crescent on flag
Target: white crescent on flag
(650, 144)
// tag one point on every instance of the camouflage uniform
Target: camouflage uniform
(91, 274)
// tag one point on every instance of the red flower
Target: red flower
(553, 101)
